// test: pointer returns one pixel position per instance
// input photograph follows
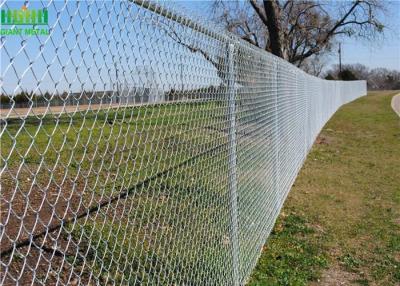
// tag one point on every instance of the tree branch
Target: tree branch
(259, 11)
(174, 36)
(341, 21)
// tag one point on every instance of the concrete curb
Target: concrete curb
(396, 103)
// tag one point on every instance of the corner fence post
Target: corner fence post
(232, 165)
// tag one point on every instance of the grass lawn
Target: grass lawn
(58, 168)
(341, 222)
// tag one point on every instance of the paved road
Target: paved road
(62, 109)
(40, 111)
(396, 103)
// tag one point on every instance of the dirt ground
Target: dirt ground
(36, 214)
(35, 245)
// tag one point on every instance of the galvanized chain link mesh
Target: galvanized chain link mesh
(139, 146)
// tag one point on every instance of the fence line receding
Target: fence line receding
(140, 146)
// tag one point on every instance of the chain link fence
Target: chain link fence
(140, 146)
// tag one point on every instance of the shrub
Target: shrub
(347, 75)
(4, 99)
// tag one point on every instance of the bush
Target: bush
(24, 97)
(329, 77)
(21, 97)
(347, 75)
(4, 99)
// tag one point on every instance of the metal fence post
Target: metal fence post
(306, 127)
(233, 165)
(276, 132)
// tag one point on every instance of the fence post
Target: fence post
(233, 165)
(276, 133)
(306, 126)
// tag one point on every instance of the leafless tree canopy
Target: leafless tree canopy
(297, 30)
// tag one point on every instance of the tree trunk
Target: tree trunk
(276, 41)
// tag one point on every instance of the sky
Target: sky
(383, 52)
(103, 45)
(99, 45)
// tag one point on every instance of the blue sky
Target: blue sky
(383, 52)
(94, 41)
(98, 45)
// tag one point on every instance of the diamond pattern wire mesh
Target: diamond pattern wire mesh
(139, 146)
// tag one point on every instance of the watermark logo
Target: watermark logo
(23, 17)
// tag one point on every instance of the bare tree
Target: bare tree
(315, 65)
(297, 30)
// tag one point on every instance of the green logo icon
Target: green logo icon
(24, 17)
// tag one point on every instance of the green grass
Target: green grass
(110, 143)
(290, 257)
(341, 222)
(163, 226)
(163, 231)
(343, 210)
